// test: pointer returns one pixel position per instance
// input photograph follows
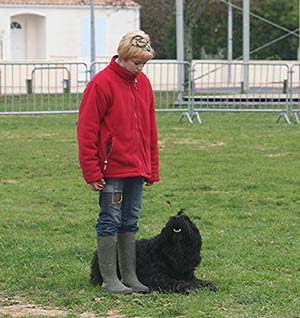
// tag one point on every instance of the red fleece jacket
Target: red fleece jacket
(117, 133)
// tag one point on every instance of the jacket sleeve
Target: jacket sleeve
(91, 112)
(154, 143)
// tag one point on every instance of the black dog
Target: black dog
(166, 262)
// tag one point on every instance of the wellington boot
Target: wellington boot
(127, 262)
(107, 255)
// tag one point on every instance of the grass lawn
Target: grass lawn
(237, 176)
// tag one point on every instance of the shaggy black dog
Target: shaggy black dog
(166, 262)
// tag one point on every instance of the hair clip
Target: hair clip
(139, 41)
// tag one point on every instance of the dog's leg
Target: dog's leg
(95, 276)
(164, 283)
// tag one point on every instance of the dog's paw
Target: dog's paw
(205, 284)
(211, 286)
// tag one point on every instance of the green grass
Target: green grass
(237, 176)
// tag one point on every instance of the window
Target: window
(15, 25)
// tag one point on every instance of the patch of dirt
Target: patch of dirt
(197, 142)
(272, 153)
(114, 314)
(276, 155)
(8, 135)
(15, 307)
(45, 135)
(9, 181)
(19, 310)
(162, 143)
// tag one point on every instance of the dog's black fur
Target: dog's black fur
(166, 262)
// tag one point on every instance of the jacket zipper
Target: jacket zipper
(105, 164)
(135, 116)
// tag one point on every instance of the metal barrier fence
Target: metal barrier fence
(240, 87)
(31, 88)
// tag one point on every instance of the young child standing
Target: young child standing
(118, 153)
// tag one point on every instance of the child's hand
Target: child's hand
(97, 185)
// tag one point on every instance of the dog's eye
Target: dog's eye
(177, 230)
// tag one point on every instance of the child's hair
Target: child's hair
(137, 45)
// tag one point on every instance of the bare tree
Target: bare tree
(193, 11)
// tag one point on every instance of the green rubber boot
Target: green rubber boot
(127, 262)
(107, 255)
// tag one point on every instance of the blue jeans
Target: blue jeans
(120, 206)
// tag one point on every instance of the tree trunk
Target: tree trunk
(188, 51)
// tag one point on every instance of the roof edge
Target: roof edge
(80, 3)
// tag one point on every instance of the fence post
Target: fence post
(291, 112)
(29, 86)
(285, 86)
(66, 85)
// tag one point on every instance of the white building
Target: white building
(59, 30)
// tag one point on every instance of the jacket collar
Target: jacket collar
(117, 68)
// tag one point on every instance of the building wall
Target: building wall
(63, 32)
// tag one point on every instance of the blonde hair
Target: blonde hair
(137, 45)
